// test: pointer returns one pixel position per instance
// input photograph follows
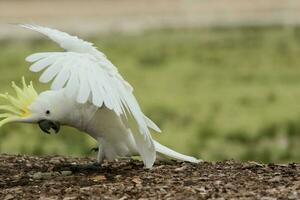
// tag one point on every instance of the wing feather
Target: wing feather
(96, 93)
(72, 84)
(37, 56)
(51, 72)
(43, 63)
(84, 88)
(66, 41)
(62, 76)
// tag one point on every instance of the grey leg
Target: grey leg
(100, 155)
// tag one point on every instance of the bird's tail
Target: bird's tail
(173, 154)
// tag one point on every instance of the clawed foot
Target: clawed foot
(95, 149)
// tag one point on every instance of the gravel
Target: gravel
(56, 177)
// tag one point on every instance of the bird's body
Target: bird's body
(112, 132)
(87, 93)
(104, 125)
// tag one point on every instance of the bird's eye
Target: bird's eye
(47, 112)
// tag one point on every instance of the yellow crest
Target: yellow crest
(17, 107)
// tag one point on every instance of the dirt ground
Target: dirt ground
(55, 177)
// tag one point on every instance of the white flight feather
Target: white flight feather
(73, 83)
(173, 154)
(43, 63)
(37, 56)
(51, 71)
(62, 76)
(84, 89)
(86, 72)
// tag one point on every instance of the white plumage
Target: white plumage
(87, 73)
(89, 77)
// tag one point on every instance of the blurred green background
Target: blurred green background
(217, 93)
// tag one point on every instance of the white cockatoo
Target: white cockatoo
(87, 93)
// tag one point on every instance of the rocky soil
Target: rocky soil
(56, 177)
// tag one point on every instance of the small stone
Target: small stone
(16, 190)
(40, 175)
(123, 198)
(293, 195)
(179, 169)
(55, 160)
(85, 189)
(118, 176)
(37, 175)
(48, 198)
(230, 186)
(9, 197)
(46, 175)
(203, 178)
(68, 190)
(256, 164)
(200, 189)
(268, 198)
(28, 165)
(275, 179)
(69, 198)
(218, 182)
(66, 173)
(99, 178)
(137, 180)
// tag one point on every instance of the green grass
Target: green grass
(216, 93)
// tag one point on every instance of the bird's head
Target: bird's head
(28, 106)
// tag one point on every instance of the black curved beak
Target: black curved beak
(47, 125)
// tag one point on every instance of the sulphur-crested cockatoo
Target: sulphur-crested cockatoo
(87, 93)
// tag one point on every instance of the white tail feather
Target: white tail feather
(173, 154)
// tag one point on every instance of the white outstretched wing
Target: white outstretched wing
(88, 75)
